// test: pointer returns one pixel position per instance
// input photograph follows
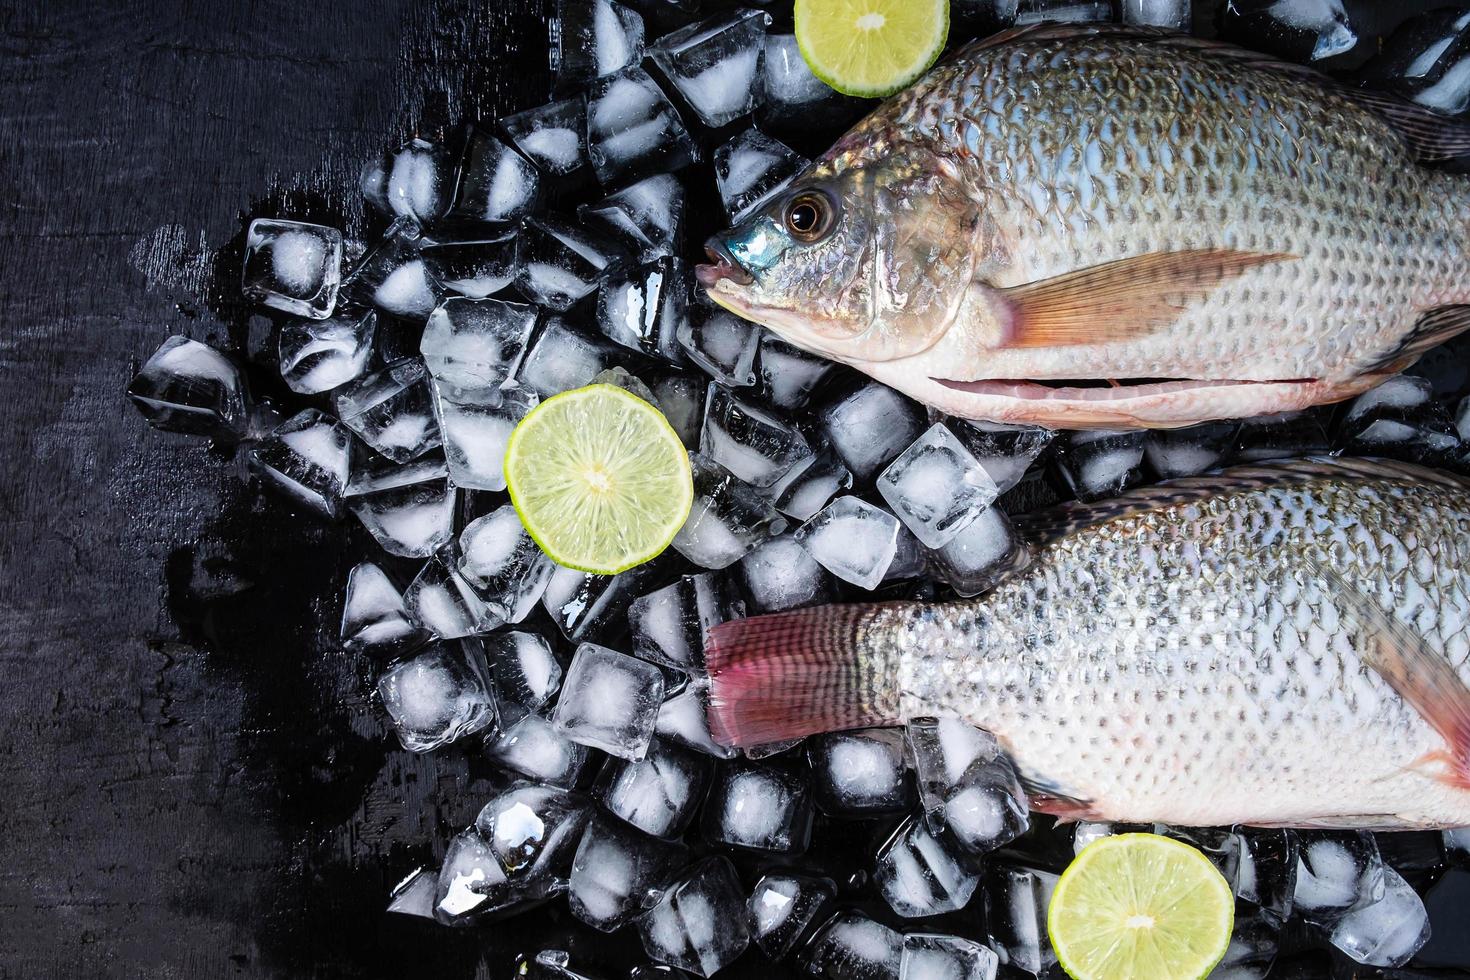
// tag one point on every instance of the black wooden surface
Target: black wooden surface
(193, 780)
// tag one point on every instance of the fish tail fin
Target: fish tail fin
(797, 673)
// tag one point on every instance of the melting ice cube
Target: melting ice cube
(758, 807)
(853, 540)
(408, 509)
(648, 215)
(752, 444)
(534, 748)
(392, 411)
(308, 457)
(870, 425)
(374, 616)
(446, 604)
(293, 266)
(936, 487)
(716, 63)
(921, 873)
(476, 343)
(476, 428)
(610, 701)
(780, 574)
(437, 697)
(699, 923)
(860, 773)
(496, 184)
(657, 793)
(721, 343)
(851, 946)
(932, 956)
(552, 136)
(559, 262)
(782, 907)
(189, 387)
(617, 873)
(643, 310)
(562, 358)
(669, 626)
(420, 181)
(633, 129)
(319, 355)
(475, 269)
(591, 38)
(728, 520)
(525, 670)
(506, 567)
(752, 168)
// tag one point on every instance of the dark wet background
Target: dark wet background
(193, 781)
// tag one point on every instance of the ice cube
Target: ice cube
(476, 343)
(620, 377)
(471, 881)
(506, 567)
(967, 783)
(1175, 453)
(525, 670)
(553, 964)
(293, 266)
(420, 181)
(1084, 832)
(1174, 14)
(657, 793)
(372, 183)
(808, 486)
(716, 63)
(1457, 843)
(633, 129)
(752, 444)
(189, 387)
(558, 262)
(591, 38)
(1399, 419)
(683, 719)
(793, 97)
(475, 269)
(408, 509)
(853, 540)
(1063, 11)
(936, 487)
(920, 873)
(374, 617)
(870, 425)
(476, 429)
(1335, 870)
(909, 557)
(1425, 60)
(534, 748)
(698, 924)
(1385, 929)
(438, 696)
(851, 946)
(319, 355)
(642, 311)
(758, 807)
(681, 398)
(617, 873)
(595, 607)
(751, 168)
(561, 359)
(610, 701)
(1016, 901)
(1290, 434)
(860, 773)
(414, 895)
(1101, 463)
(392, 411)
(497, 186)
(552, 136)
(647, 215)
(669, 626)
(533, 830)
(1006, 451)
(446, 604)
(308, 457)
(1301, 30)
(780, 574)
(787, 374)
(721, 343)
(728, 519)
(392, 276)
(932, 956)
(783, 907)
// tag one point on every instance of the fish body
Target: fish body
(1186, 655)
(1216, 234)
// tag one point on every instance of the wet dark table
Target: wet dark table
(195, 783)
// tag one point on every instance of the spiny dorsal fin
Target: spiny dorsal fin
(1043, 527)
(1121, 300)
(1430, 330)
(1430, 136)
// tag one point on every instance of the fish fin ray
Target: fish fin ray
(1347, 821)
(1064, 808)
(1042, 527)
(794, 674)
(1431, 137)
(1432, 328)
(1120, 300)
(1417, 673)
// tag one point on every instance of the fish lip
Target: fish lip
(724, 266)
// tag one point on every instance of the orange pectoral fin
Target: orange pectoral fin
(1418, 674)
(1120, 300)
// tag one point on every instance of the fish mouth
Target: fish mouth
(724, 266)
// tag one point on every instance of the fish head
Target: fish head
(861, 262)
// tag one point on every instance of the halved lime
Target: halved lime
(870, 48)
(600, 479)
(1140, 907)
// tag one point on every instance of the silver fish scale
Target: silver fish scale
(1084, 151)
(1188, 665)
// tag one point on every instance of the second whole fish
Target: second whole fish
(1104, 227)
(1285, 644)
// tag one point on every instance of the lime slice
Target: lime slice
(1140, 907)
(870, 48)
(600, 479)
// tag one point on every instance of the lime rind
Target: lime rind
(1133, 870)
(899, 74)
(612, 434)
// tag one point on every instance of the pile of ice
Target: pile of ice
(553, 249)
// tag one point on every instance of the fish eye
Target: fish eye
(809, 216)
